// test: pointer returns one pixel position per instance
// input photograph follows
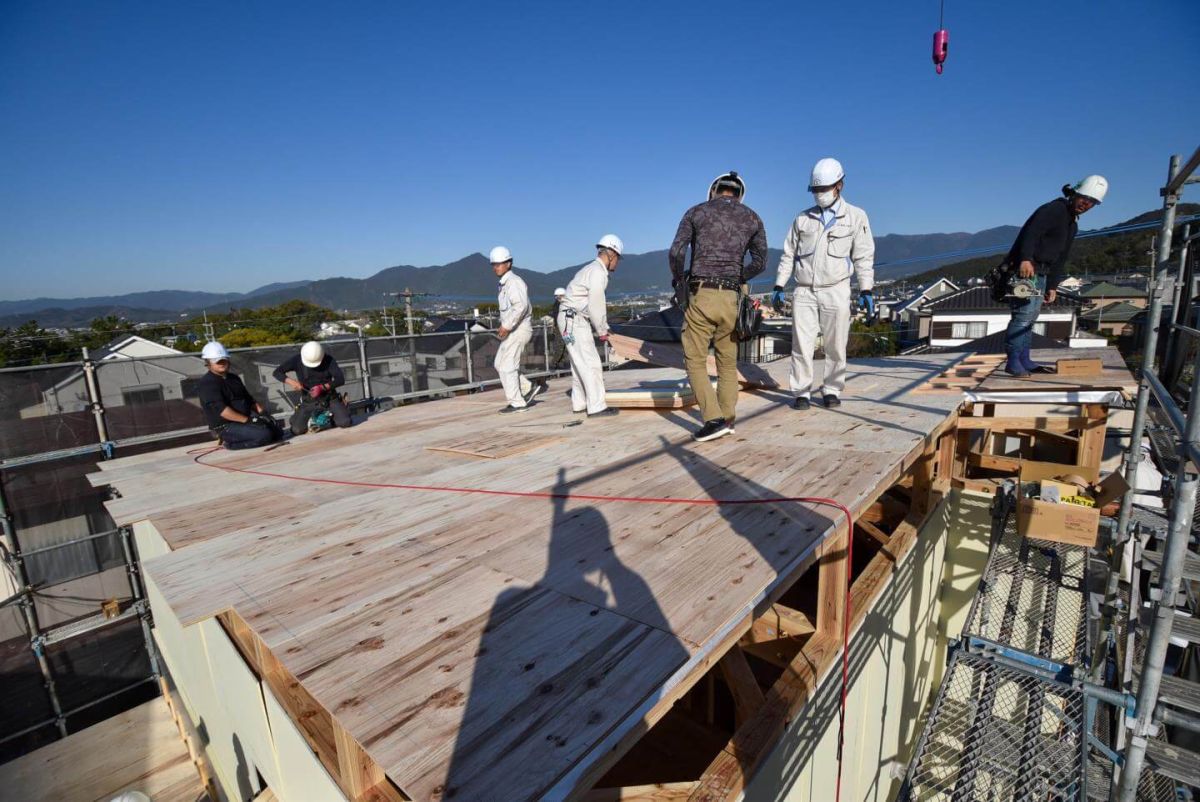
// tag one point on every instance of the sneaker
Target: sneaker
(508, 410)
(801, 403)
(832, 401)
(607, 412)
(711, 430)
(534, 390)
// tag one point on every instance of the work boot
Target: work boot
(1031, 366)
(1014, 366)
(801, 403)
(508, 410)
(832, 401)
(711, 430)
(607, 412)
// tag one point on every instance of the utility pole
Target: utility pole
(408, 296)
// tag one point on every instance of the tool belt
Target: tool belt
(568, 328)
(715, 282)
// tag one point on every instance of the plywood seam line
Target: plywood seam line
(712, 502)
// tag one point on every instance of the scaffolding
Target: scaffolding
(1061, 684)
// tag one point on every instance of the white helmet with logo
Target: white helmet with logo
(612, 242)
(1094, 187)
(213, 351)
(311, 354)
(825, 173)
(499, 255)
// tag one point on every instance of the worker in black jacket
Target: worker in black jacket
(719, 233)
(232, 413)
(318, 376)
(1040, 254)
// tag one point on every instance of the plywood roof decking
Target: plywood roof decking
(1115, 376)
(138, 750)
(483, 646)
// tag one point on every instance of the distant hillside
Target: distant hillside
(1109, 254)
(471, 278)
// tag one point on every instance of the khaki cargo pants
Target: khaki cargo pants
(711, 318)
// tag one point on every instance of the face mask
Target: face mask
(825, 199)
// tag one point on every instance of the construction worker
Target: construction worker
(719, 232)
(1040, 255)
(318, 376)
(827, 244)
(582, 314)
(516, 330)
(232, 413)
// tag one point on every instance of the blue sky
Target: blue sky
(222, 145)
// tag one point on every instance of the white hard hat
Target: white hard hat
(499, 254)
(311, 354)
(214, 350)
(826, 173)
(559, 291)
(612, 242)
(1094, 187)
(730, 180)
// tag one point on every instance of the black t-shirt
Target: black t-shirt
(328, 372)
(1046, 239)
(218, 392)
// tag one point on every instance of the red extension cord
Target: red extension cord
(828, 502)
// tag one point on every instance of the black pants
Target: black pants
(249, 435)
(340, 412)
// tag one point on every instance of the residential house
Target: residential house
(1117, 319)
(970, 314)
(1104, 293)
(906, 314)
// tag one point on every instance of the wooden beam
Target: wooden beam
(873, 531)
(1009, 424)
(359, 775)
(659, 792)
(995, 462)
(922, 490)
(780, 621)
(747, 696)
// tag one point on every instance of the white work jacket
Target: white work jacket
(585, 294)
(514, 302)
(823, 250)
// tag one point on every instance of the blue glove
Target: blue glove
(866, 300)
(777, 299)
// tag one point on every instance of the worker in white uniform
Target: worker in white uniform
(584, 312)
(516, 330)
(826, 245)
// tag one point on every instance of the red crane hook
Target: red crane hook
(941, 48)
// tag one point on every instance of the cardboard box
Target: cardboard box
(1079, 367)
(1063, 523)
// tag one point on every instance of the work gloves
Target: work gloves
(603, 338)
(777, 298)
(318, 391)
(866, 301)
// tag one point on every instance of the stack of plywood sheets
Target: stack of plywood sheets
(493, 621)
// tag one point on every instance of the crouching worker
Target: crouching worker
(318, 376)
(232, 413)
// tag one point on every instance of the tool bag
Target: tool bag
(683, 291)
(749, 318)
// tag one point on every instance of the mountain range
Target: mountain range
(469, 278)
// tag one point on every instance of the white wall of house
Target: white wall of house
(974, 325)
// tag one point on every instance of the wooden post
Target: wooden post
(1091, 438)
(747, 696)
(922, 488)
(832, 575)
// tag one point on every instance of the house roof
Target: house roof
(1105, 289)
(921, 294)
(994, 344)
(1113, 313)
(979, 298)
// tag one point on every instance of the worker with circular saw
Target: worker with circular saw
(317, 377)
(582, 317)
(1039, 256)
(719, 233)
(233, 415)
(828, 243)
(516, 330)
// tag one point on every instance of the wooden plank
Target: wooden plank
(1091, 439)
(876, 534)
(994, 462)
(496, 445)
(659, 792)
(832, 577)
(1013, 424)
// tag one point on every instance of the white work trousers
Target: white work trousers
(508, 364)
(587, 371)
(825, 310)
